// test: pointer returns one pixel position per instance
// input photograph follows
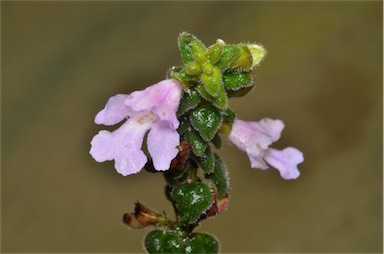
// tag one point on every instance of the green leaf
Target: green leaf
(164, 241)
(191, 201)
(211, 79)
(239, 93)
(198, 50)
(230, 53)
(190, 100)
(216, 141)
(228, 115)
(220, 177)
(207, 161)
(184, 47)
(236, 81)
(220, 101)
(214, 53)
(192, 68)
(201, 243)
(244, 60)
(184, 124)
(206, 119)
(173, 177)
(196, 142)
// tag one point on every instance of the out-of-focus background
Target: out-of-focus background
(61, 61)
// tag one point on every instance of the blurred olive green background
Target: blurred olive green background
(61, 61)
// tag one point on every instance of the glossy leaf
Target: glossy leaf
(184, 47)
(220, 177)
(207, 161)
(191, 201)
(201, 243)
(214, 53)
(236, 81)
(220, 100)
(196, 142)
(164, 241)
(212, 80)
(206, 119)
(190, 100)
(230, 53)
(216, 141)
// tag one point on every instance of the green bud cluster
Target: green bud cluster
(209, 76)
(219, 71)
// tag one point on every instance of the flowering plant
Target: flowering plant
(185, 116)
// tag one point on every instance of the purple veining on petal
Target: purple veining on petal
(285, 161)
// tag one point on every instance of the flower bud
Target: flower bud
(258, 53)
(143, 217)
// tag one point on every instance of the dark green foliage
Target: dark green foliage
(220, 177)
(190, 100)
(206, 119)
(196, 142)
(220, 100)
(236, 81)
(201, 243)
(191, 200)
(207, 161)
(163, 241)
(216, 141)
(230, 53)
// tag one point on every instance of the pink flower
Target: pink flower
(152, 109)
(254, 138)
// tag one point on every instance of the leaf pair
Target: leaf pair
(166, 241)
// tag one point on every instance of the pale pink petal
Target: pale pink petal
(124, 144)
(115, 111)
(285, 161)
(271, 127)
(255, 137)
(162, 99)
(162, 144)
